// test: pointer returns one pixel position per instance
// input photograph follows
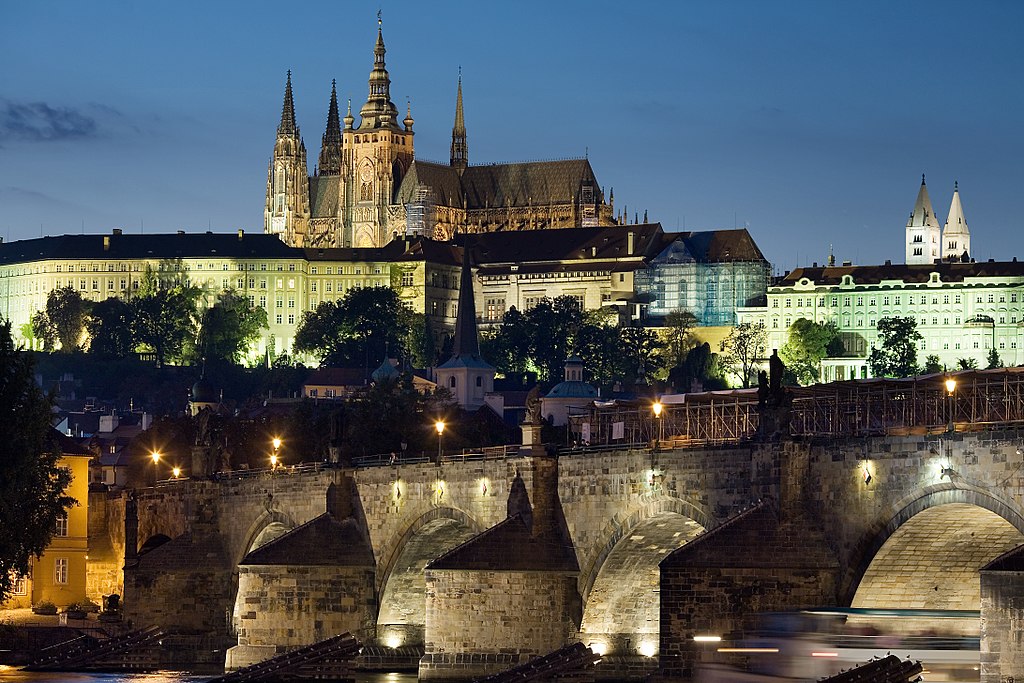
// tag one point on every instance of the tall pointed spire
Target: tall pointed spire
(923, 232)
(288, 126)
(956, 237)
(330, 148)
(379, 111)
(466, 343)
(460, 149)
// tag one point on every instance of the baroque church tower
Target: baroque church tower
(286, 213)
(377, 156)
(923, 237)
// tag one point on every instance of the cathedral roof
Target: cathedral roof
(324, 193)
(589, 247)
(531, 183)
(153, 246)
(923, 215)
(710, 246)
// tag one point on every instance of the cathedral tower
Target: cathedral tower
(286, 213)
(956, 238)
(460, 150)
(923, 238)
(330, 148)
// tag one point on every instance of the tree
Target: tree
(43, 330)
(680, 324)
(932, 364)
(994, 361)
(229, 327)
(32, 483)
(553, 325)
(967, 363)
(359, 329)
(896, 352)
(110, 326)
(700, 365)
(807, 343)
(66, 312)
(742, 349)
(165, 313)
(640, 350)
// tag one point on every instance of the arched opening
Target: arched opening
(932, 560)
(402, 614)
(621, 615)
(268, 527)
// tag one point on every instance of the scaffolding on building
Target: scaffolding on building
(929, 404)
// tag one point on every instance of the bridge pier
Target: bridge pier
(1002, 616)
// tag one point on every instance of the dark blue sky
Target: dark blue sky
(809, 122)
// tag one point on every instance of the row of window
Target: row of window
(921, 320)
(896, 299)
(61, 566)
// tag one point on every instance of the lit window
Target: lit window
(60, 570)
(61, 526)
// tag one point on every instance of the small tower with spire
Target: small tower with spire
(286, 213)
(466, 374)
(331, 146)
(923, 232)
(956, 238)
(460, 149)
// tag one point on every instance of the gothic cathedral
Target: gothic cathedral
(367, 188)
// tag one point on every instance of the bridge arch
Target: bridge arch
(401, 583)
(270, 524)
(928, 553)
(621, 589)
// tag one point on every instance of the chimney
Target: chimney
(630, 239)
(888, 262)
(241, 234)
(181, 232)
(106, 243)
(117, 231)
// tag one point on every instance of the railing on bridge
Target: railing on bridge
(873, 407)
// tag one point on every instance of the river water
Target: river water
(15, 675)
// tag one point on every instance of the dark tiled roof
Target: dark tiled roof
(66, 444)
(323, 196)
(323, 541)
(536, 183)
(917, 273)
(340, 377)
(717, 246)
(156, 246)
(599, 245)
(508, 546)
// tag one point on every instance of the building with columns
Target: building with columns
(367, 187)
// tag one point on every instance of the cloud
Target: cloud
(41, 122)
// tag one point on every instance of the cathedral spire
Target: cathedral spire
(379, 111)
(330, 147)
(923, 234)
(460, 149)
(956, 237)
(288, 126)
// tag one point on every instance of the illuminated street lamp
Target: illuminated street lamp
(176, 472)
(156, 462)
(950, 389)
(657, 408)
(439, 426)
(276, 443)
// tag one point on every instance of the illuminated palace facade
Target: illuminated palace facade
(368, 187)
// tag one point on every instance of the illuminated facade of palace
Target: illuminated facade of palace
(368, 188)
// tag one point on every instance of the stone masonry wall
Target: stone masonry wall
(527, 615)
(1002, 626)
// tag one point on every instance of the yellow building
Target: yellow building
(59, 574)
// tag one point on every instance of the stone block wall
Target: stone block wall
(714, 601)
(1002, 626)
(481, 622)
(285, 607)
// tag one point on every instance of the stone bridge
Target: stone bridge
(484, 562)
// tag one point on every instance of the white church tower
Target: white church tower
(956, 238)
(923, 233)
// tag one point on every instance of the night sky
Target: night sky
(808, 122)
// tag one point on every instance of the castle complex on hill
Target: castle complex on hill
(368, 187)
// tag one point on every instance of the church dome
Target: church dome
(204, 392)
(386, 371)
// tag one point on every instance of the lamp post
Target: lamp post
(657, 408)
(950, 388)
(155, 456)
(274, 460)
(439, 426)
(176, 472)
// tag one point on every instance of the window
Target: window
(860, 301)
(61, 527)
(991, 298)
(20, 586)
(1013, 297)
(124, 284)
(835, 301)
(291, 318)
(278, 319)
(821, 301)
(313, 270)
(241, 282)
(329, 393)
(60, 570)
(263, 301)
(252, 283)
(451, 382)
(871, 301)
(263, 266)
(479, 381)
(407, 278)
(885, 301)
(279, 303)
(291, 267)
(775, 303)
(291, 303)
(917, 250)
(789, 302)
(95, 285)
(945, 298)
(956, 299)
(846, 301)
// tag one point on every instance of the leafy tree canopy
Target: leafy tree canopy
(165, 314)
(111, 325)
(895, 354)
(229, 327)
(32, 484)
(808, 342)
(66, 312)
(680, 324)
(994, 361)
(932, 364)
